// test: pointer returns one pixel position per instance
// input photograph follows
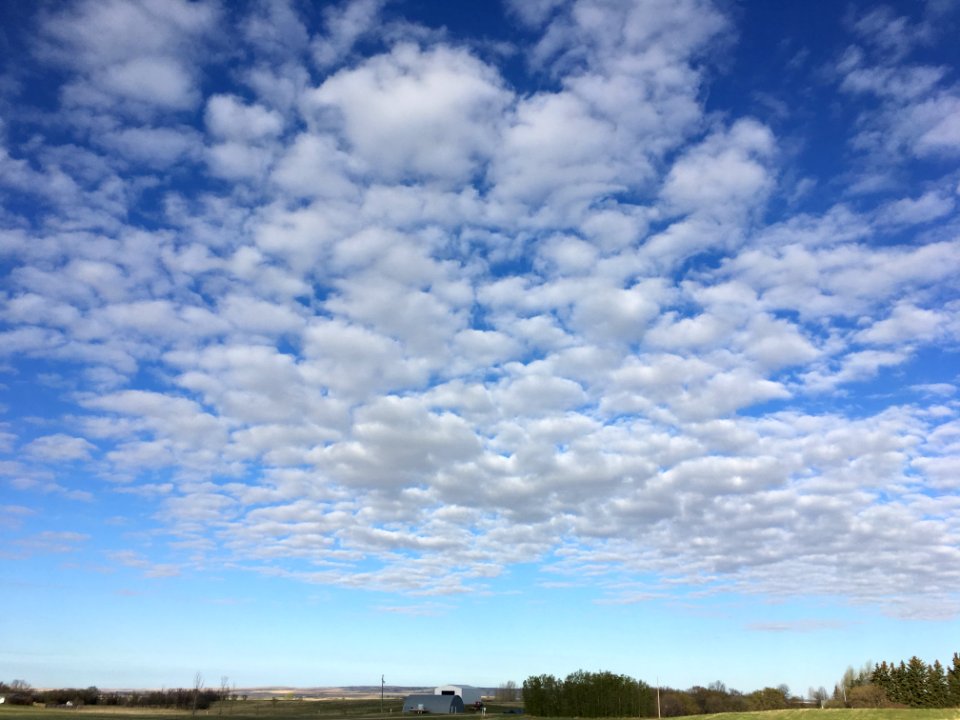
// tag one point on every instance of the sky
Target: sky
(468, 341)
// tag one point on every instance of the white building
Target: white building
(469, 694)
(433, 704)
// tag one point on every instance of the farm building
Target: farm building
(469, 694)
(436, 704)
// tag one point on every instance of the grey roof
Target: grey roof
(469, 693)
(442, 704)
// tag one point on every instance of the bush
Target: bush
(869, 696)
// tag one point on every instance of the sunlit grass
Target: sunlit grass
(839, 714)
(354, 709)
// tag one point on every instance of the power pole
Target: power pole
(381, 694)
(658, 698)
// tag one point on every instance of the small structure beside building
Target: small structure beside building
(469, 694)
(436, 704)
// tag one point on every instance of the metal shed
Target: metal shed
(469, 694)
(435, 704)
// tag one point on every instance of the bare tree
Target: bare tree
(224, 692)
(507, 691)
(197, 687)
(818, 695)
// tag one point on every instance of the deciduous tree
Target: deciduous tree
(197, 687)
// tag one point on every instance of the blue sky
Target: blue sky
(514, 338)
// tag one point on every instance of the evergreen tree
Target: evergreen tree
(881, 677)
(915, 683)
(953, 682)
(898, 677)
(937, 690)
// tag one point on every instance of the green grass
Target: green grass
(816, 714)
(370, 710)
(838, 714)
(239, 710)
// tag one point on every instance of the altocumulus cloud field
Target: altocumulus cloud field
(468, 341)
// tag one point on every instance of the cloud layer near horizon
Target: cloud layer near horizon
(349, 305)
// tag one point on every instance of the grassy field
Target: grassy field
(240, 710)
(370, 709)
(840, 714)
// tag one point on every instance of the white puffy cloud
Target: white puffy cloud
(627, 97)
(606, 314)
(555, 144)
(242, 132)
(228, 117)
(130, 558)
(275, 28)
(534, 12)
(313, 166)
(536, 395)
(238, 161)
(176, 431)
(908, 211)
(161, 81)
(54, 448)
(250, 384)
(396, 441)
(145, 62)
(158, 147)
(401, 324)
(355, 361)
(906, 323)
(844, 279)
(725, 173)
(345, 25)
(415, 113)
(854, 367)
(939, 129)
(918, 104)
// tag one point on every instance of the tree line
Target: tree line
(586, 694)
(911, 683)
(604, 694)
(19, 692)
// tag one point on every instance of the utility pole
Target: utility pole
(658, 698)
(381, 694)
